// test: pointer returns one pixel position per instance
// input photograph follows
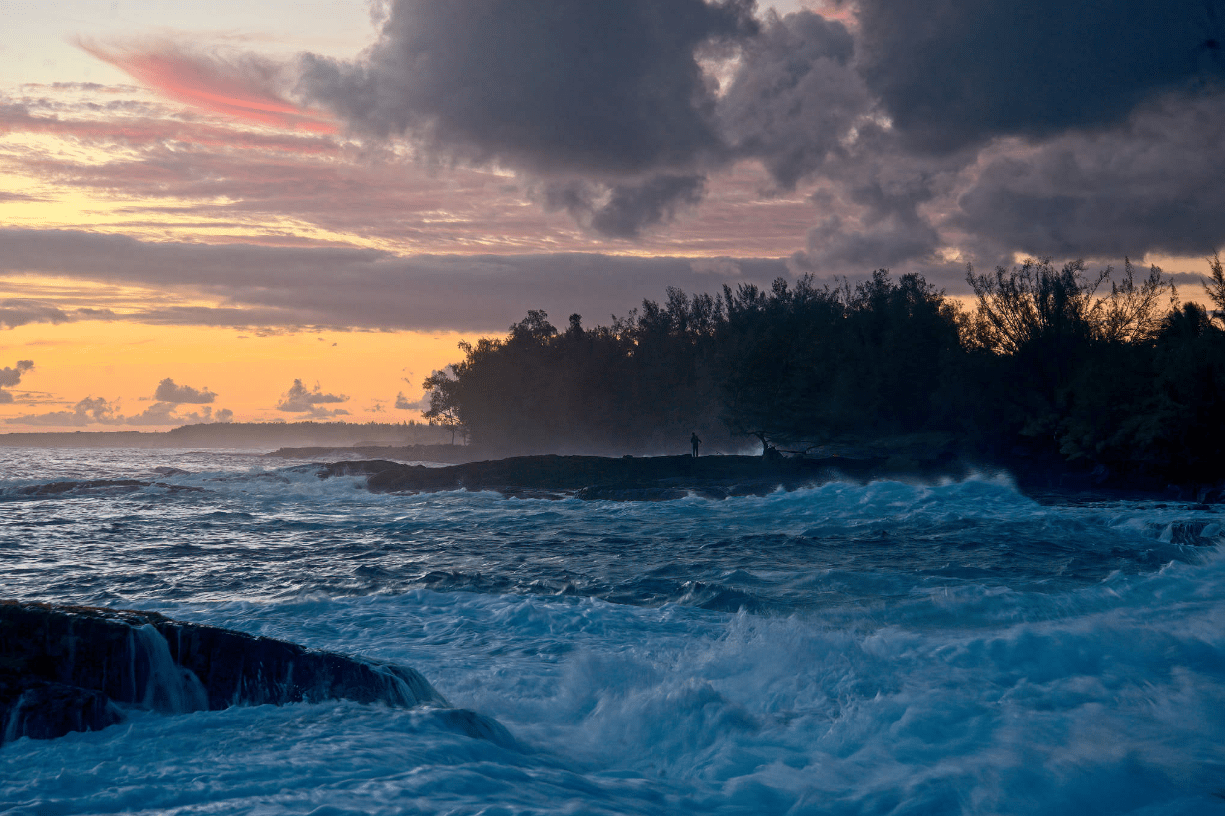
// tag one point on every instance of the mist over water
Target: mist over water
(844, 649)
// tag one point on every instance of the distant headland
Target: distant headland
(259, 436)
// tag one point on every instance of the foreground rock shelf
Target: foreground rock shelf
(65, 668)
(654, 478)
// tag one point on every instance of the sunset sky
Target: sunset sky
(292, 210)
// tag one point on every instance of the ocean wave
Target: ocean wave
(882, 648)
(1108, 698)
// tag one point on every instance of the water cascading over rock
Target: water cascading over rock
(71, 668)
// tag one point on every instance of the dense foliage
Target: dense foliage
(1048, 361)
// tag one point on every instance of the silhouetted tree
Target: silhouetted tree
(1215, 287)
(444, 410)
(1047, 362)
(1047, 326)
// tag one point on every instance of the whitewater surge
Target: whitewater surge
(888, 648)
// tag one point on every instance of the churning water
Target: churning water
(880, 649)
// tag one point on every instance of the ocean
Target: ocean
(889, 648)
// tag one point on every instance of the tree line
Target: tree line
(1106, 368)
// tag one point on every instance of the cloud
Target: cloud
(349, 287)
(603, 88)
(89, 411)
(961, 72)
(404, 404)
(624, 210)
(168, 391)
(1154, 185)
(17, 312)
(243, 86)
(611, 95)
(164, 413)
(920, 134)
(301, 400)
(143, 126)
(159, 413)
(1099, 133)
(10, 376)
(796, 97)
(100, 411)
(181, 174)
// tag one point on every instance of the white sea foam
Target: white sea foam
(901, 649)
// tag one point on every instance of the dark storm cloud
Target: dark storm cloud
(623, 210)
(169, 391)
(290, 286)
(1156, 185)
(957, 72)
(604, 86)
(1044, 128)
(631, 207)
(610, 92)
(795, 97)
(884, 240)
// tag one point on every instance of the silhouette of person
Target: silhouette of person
(693, 440)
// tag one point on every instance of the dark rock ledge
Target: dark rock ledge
(653, 478)
(65, 668)
(659, 478)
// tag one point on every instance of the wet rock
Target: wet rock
(62, 668)
(1192, 533)
(166, 470)
(648, 478)
(476, 726)
(56, 488)
(88, 486)
(235, 668)
(41, 709)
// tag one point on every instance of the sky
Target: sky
(267, 210)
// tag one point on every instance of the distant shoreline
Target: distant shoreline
(262, 436)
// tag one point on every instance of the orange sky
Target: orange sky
(124, 362)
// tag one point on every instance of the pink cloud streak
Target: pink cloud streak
(243, 89)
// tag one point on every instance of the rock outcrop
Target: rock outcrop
(71, 668)
(662, 478)
(653, 478)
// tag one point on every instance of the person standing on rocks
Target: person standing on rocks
(693, 440)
